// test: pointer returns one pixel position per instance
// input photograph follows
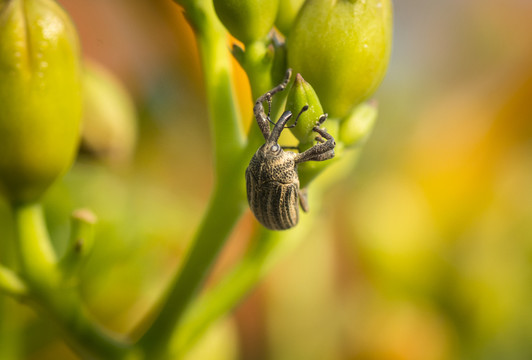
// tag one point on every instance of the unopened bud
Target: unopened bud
(302, 94)
(109, 121)
(342, 48)
(40, 97)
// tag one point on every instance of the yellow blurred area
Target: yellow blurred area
(423, 251)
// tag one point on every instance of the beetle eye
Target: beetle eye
(274, 148)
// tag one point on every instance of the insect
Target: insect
(271, 178)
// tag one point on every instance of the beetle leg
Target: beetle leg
(263, 120)
(324, 156)
(318, 152)
(303, 199)
(323, 134)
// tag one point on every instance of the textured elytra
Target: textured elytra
(272, 189)
(272, 181)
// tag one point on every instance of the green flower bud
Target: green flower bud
(247, 20)
(286, 14)
(302, 94)
(109, 119)
(40, 96)
(342, 48)
(357, 126)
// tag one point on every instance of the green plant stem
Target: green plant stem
(48, 295)
(228, 199)
(225, 122)
(257, 62)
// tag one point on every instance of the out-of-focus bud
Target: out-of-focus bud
(109, 119)
(40, 97)
(286, 14)
(247, 20)
(342, 48)
(357, 126)
(81, 243)
(302, 94)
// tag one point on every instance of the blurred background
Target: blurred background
(423, 252)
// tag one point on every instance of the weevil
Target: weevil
(272, 180)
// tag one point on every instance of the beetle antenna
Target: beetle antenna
(258, 109)
(303, 109)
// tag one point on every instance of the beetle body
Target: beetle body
(272, 181)
(273, 187)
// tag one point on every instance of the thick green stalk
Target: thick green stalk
(228, 200)
(225, 122)
(257, 62)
